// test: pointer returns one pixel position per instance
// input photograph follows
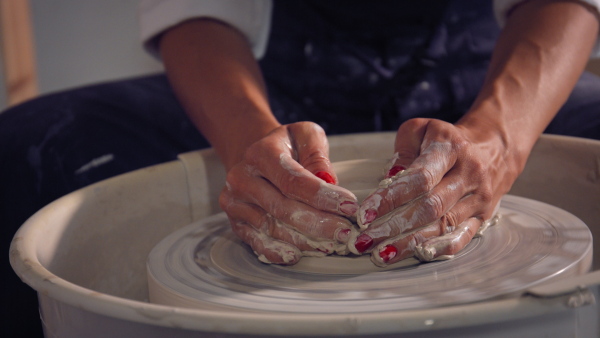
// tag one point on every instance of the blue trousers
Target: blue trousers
(349, 73)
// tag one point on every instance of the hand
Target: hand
(282, 199)
(444, 181)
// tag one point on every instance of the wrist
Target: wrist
(241, 137)
(484, 124)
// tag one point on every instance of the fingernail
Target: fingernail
(395, 169)
(343, 235)
(363, 242)
(387, 253)
(370, 215)
(349, 207)
(325, 176)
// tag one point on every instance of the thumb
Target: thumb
(312, 150)
(407, 147)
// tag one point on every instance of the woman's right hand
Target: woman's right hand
(282, 198)
(273, 199)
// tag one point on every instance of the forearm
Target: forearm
(216, 78)
(538, 58)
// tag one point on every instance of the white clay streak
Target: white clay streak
(411, 247)
(329, 197)
(400, 184)
(485, 225)
(287, 252)
(289, 164)
(388, 166)
(437, 248)
(95, 163)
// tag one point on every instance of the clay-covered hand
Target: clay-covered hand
(282, 200)
(444, 182)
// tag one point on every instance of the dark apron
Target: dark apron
(355, 66)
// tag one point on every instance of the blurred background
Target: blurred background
(74, 43)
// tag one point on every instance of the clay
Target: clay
(206, 266)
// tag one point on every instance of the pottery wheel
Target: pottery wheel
(204, 265)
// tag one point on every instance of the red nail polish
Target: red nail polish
(325, 176)
(363, 242)
(343, 235)
(395, 169)
(348, 208)
(387, 253)
(370, 215)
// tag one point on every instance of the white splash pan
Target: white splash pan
(85, 255)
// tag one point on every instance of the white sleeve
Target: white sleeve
(251, 17)
(503, 7)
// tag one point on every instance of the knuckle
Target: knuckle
(225, 201)
(478, 168)
(449, 222)
(316, 128)
(266, 225)
(461, 145)
(434, 206)
(405, 154)
(233, 180)
(314, 158)
(307, 126)
(253, 152)
(413, 124)
(426, 178)
(287, 185)
(485, 194)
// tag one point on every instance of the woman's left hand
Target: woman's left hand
(443, 183)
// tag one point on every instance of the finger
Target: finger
(391, 194)
(422, 211)
(426, 172)
(456, 225)
(407, 147)
(446, 246)
(490, 220)
(273, 159)
(312, 146)
(239, 212)
(267, 249)
(403, 246)
(424, 160)
(315, 224)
